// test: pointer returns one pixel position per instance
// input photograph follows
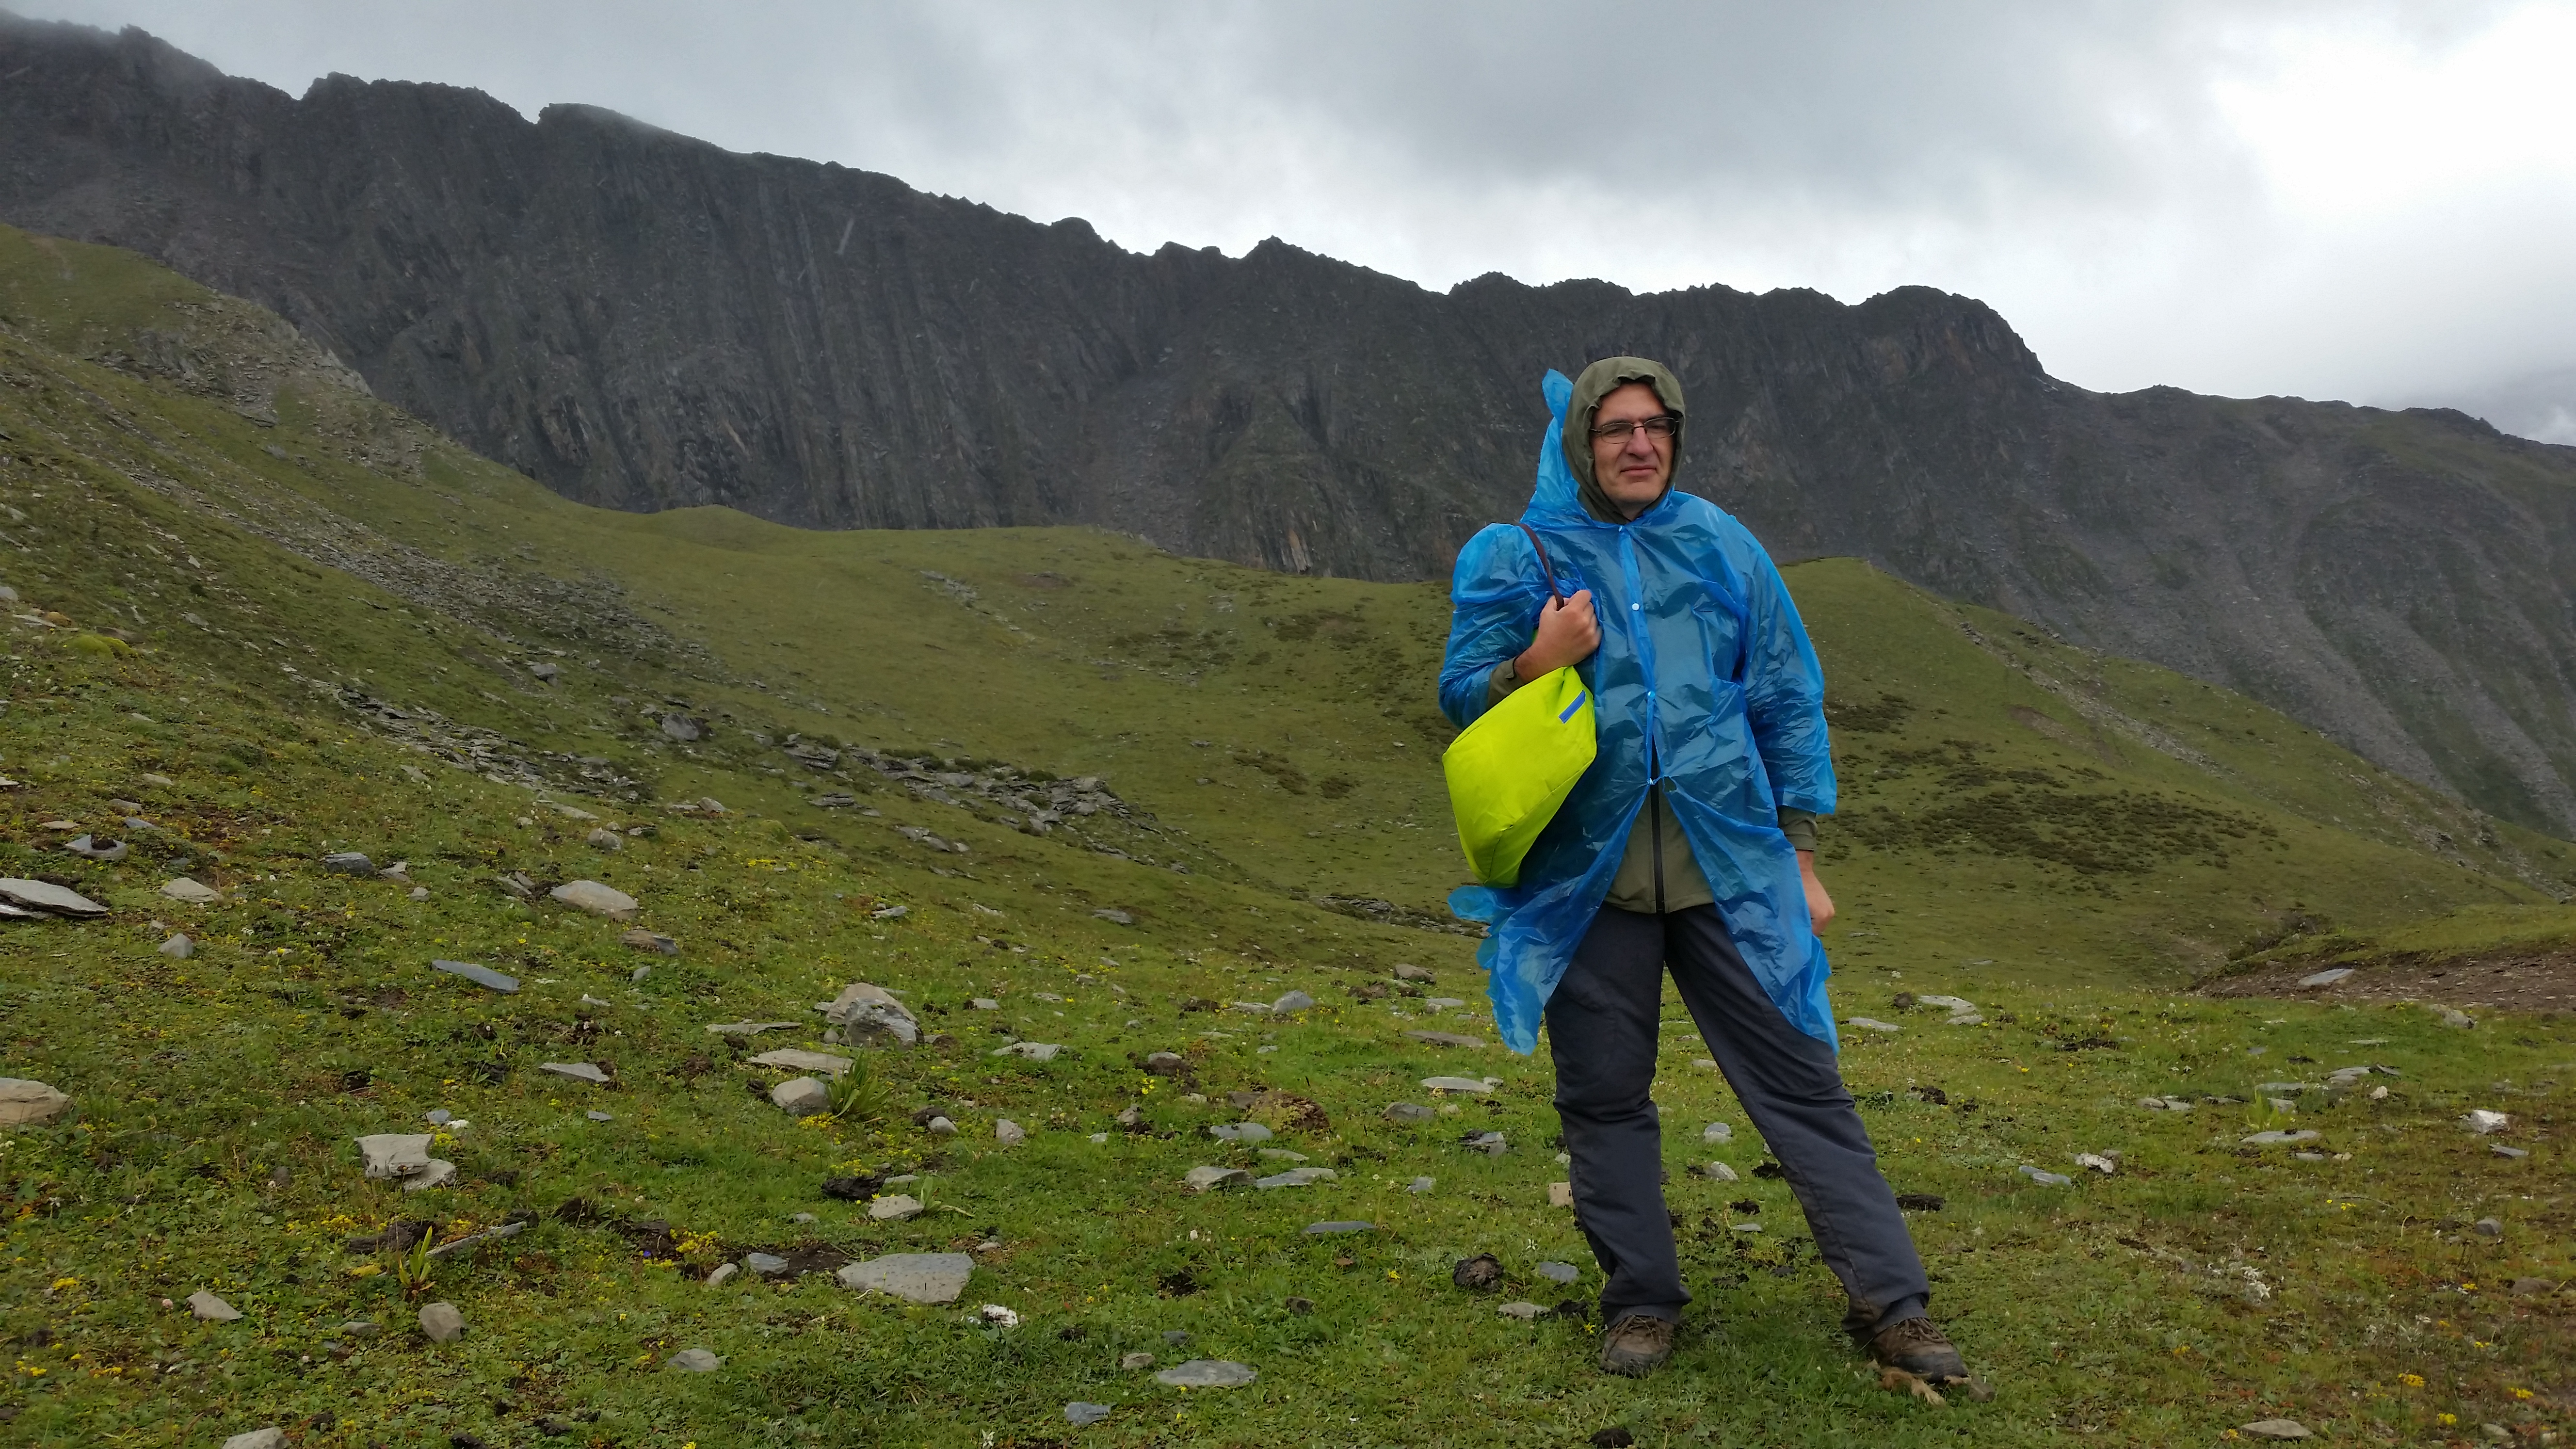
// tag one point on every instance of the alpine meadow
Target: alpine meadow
(438, 906)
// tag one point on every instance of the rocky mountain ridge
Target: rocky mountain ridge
(645, 321)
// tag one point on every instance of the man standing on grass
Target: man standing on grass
(1689, 845)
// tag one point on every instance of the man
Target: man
(1689, 844)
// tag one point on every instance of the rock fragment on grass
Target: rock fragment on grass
(441, 1323)
(598, 899)
(802, 1096)
(895, 1208)
(1036, 1051)
(1134, 1361)
(189, 892)
(483, 976)
(1469, 1085)
(694, 1361)
(868, 1015)
(2046, 1179)
(653, 941)
(437, 1172)
(270, 1437)
(1078, 1413)
(1207, 1373)
(28, 1103)
(44, 898)
(394, 1154)
(178, 947)
(211, 1308)
(1009, 1133)
(1212, 1179)
(795, 1060)
(1558, 1273)
(1524, 1311)
(723, 1271)
(1338, 1226)
(2481, 1121)
(1411, 1113)
(912, 1277)
(348, 862)
(2278, 1137)
(2275, 1429)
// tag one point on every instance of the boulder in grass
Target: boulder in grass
(599, 900)
(26, 1103)
(348, 862)
(394, 1154)
(46, 898)
(802, 1096)
(865, 1015)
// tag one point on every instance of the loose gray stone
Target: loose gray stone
(2276, 1429)
(1457, 1084)
(1293, 1002)
(190, 892)
(682, 728)
(271, 1437)
(1207, 1373)
(348, 862)
(394, 1154)
(795, 1060)
(608, 840)
(802, 1096)
(2458, 1019)
(866, 1015)
(1281, 1154)
(1720, 1172)
(1297, 1177)
(913, 1277)
(1036, 1051)
(1492, 1144)
(597, 1116)
(438, 1172)
(441, 1323)
(1134, 1361)
(695, 1361)
(749, 1028)
(359, 1328)
(1442, 1003)
(2487, 1228)
(1444, 1039)
(1114, 917)
(2046, 1179)
(1871, 1023)
(211, 1308)
(1716, 1132)
(1421, 1184)
(1077, 1413)
(1009, 1133)
(1240, 1132)
(1525, 1312)
(1409, 1112)
(1413, 973)
(178, 947)
(1210, 1179)
(36, 895)
(438, 1116)
(762, 1265)
(599, 900)
(1558, 1272)
(894, 1208)
(578, 1071)
(723, 1271)
(2481, 1121)
(479, 975)
(2326, 977)
(2500, 1150)
(1339, 1226)
(940, 1127)
(26, 1103)
(2277, 1138)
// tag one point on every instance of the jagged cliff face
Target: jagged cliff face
(643, 321)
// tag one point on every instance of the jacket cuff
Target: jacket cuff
(1800, 827)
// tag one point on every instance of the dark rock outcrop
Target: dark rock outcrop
(642, 320)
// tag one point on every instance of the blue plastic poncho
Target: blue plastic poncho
(1702, 654)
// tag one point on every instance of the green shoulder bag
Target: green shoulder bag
(1510, 770)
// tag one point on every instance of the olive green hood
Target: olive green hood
(1597, 382)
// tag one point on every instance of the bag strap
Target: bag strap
(1544, 567)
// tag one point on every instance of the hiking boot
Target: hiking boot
(1919, 1348)
(1637, 1345)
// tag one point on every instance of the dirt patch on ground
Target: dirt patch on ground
(2512, 979)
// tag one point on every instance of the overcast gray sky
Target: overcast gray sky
(2374, 201)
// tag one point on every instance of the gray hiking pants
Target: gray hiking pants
(1602, 1030)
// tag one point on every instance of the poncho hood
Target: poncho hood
(1597, 382)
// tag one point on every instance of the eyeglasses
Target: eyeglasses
(1659, 428)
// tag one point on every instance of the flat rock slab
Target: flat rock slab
(912, 1277)
(191, 892)
(211, 1308)
(1457, 1084)
(1443, 1038)
(895, 1208)
(2275, 1429)
(36, 895)
(2045, 1178)
(1525, 1312)
(1240, 1132)
(1077, 1413)
(394, 1154)
(479, 975)
(599, 900)
(271, 1437)
(1559, 1272)
(1339, 1226)
(437, 1172)
(27, 1103)
(1210, 1179)
(1036, 1051)
(1207, 1373)
(750, 1028)
(578, 1071)
(1413, 1112)
(2326, 977)
(1293, 1002)
(1871, 1023)
(654, 942)
(1716, 1132)
(694, 1361)
(348, 862)
(796, 1060)
(1297, 1177)
(2276, 1138)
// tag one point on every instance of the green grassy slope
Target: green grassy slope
(2052, 834)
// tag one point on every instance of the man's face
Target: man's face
(1632, 470)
